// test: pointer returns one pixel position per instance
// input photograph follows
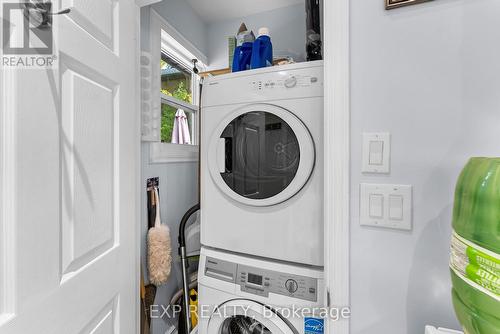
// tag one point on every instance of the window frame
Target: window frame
(164, 39)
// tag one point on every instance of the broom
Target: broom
(159, 249)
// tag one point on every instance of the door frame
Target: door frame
(7, 205)
(337, 158)
(138, 159)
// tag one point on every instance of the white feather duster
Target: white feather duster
(159, 249)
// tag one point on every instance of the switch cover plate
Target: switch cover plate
(386, 205)
(376, 153)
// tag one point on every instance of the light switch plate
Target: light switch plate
(376, 152)
(386, 205)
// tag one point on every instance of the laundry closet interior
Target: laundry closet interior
(232, 121)
(241, 167)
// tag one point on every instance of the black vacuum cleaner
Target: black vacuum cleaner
(185, 264)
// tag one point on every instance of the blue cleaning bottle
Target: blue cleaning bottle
(243, 52)
(262, 53)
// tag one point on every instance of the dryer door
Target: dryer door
(242, 316)
(261, 155)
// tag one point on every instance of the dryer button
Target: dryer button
(291, 82)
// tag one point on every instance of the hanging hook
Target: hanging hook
(195, 69)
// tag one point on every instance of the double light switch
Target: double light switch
(386, 205)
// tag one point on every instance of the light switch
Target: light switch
(386, 205)
(376, 152)
(376, 205)
(395, 207)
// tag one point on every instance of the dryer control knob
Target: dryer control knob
(291, 82)
(291, 285)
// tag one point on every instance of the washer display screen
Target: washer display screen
(254, 279)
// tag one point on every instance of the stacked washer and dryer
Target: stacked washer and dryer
(262, 201)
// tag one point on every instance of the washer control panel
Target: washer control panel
(261, 281)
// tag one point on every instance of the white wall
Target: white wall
(429, 75)
(287, 28)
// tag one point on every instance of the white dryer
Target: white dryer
(243, 295)
(261, 163)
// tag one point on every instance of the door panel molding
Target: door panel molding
(103, 27)
(105, 321)
(87, 172)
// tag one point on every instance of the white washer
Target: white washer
(240, 294)
(261, 163)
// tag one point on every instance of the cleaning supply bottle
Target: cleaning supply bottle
(262, 53)
(243, 50)
(475, 247)
(193, 307)
(243, 54)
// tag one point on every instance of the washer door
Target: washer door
(242, 316)
(261, 155)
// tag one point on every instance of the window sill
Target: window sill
(160, 153)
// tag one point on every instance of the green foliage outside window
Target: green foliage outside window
(168, 112)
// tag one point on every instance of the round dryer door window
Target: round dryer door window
(242, 316)
(261, 155)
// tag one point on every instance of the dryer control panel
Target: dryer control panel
(261, 281)
(295, 81)
(288, 82)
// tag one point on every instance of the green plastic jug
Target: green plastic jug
(475, 247)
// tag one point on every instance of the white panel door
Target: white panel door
(69, 165)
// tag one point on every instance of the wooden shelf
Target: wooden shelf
(215, 72)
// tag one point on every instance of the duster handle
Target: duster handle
(157, 217)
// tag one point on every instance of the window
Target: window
(178, 90)
(176, 82)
